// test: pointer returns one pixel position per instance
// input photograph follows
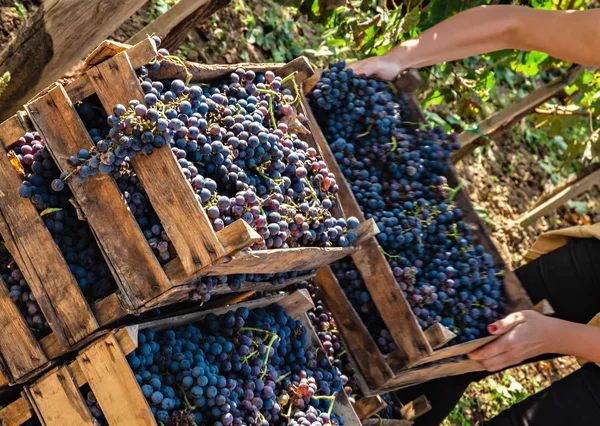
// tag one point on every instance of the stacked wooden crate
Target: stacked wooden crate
(143, 284)
(55, 398)
(420, 355)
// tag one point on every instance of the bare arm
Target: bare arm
(527, 334)
(573, 36)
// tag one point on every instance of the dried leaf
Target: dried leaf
(14, 160)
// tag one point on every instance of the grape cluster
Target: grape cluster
(20, 293)
(240, 368)
(94, 407)
(236, 144)
(324, 325)
(72, 235)
(397, 173)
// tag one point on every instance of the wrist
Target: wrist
(557, 336)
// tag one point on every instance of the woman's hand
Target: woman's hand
(377, 66)
(524, 335)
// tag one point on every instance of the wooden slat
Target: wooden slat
(41, 261)
(301, 66)
(387, 422)
(235, 237)
(369, 406)
(505, 117)
(114, 385)
(438, 335)
(138, 272)
(427, 372)
(197, 315)
(20, 351)
(178, 34)
(274, 261)
(139, 55)
(206, 73)
(391, 304)
(58, 400)
(16, 413)
(415, 409)
(172, 197)
(56, 37)
(572, 191)
(109, 310)
(361, 345)
(11, 130)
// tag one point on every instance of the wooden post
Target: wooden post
(55, 38)
(168, 22)
(176, 36)
(565, 194)
(507, 116)
(368, 406)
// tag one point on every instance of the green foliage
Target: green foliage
(21, 9)
(160, 6)
(494, 395)
(274, 29)
(4, 80)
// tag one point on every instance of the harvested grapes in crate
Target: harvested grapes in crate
(432, 277)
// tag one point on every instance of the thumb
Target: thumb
(504, 325)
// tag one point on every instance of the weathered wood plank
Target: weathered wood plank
(415, 409)
(286, 260)
(41, 261)
(58, 400)
(205, 73)
(301, 66)
(54, 39)
(169, 20)
(139, 55)
(391, 303)
(507, 116)
(363, 349)
(438, 335)
(19, 349)
(387, 422)
(16, 413)
(11, 130)
(114, 385)
(235, 237)
(172, 197)
(177, 35)
(369, 406)
(572, 191)
(138, 272)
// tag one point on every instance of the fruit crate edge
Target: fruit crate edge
(55, 400)
(380, 373)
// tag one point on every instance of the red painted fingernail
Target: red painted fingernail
(493, 328)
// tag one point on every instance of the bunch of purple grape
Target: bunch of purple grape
(244, 368)
(20, 293)
(397, 174)
(72, 235)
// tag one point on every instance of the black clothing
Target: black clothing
(569, 278)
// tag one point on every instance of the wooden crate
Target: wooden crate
(142, 282)
(55, 399)
(379, 373)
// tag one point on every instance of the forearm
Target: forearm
(568, 338)
(573, 36)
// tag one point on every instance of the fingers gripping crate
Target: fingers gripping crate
(418, 357)
(142, 282)
(55, 399)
